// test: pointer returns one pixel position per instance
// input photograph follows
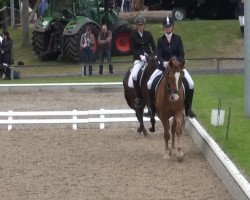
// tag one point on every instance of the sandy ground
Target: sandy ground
(56, 162)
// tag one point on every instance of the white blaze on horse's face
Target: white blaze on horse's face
(175, 96)
(177, 76)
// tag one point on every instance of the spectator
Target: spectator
(1, 40)
(127, 5)
(1, 62)
(104, 42)
(42, 7)
(7, 53)
(241, 16)
(87, 44)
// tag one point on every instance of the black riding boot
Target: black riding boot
(242, 30)
(138, 99)
(84, 70)
(90, 70)
(110, 68)
(188, 103)
(150, 103)
(100, 69)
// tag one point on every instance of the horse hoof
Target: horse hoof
(152, 130)
(139, 130)
(145, 133)
(166, 156)
(180, 156)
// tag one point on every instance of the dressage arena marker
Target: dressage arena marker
(232, 178)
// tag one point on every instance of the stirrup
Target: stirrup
(191, 113)
(138, 103)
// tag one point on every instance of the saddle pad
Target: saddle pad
(140, 74)
(156, 82)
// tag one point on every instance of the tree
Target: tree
(25, 23)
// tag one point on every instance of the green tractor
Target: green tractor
(57, 34)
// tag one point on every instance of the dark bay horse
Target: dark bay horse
(129, 93)
(169, 102)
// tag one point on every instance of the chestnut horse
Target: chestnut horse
(129, 92)
(169, 102)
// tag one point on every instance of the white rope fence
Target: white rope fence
(59, 117)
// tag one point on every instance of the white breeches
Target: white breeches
(242, 20)
(159, 72)
(189, 79)
(138, 64)
(152, 77)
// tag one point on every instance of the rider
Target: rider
(170, 45)
(142, 44)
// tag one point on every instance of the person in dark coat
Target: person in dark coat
(240, 10)
(142, 44)
(170, 45)
(104, 42)
(7, 53)
(1, 40)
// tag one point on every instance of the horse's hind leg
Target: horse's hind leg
(139, 115)
(152, 120)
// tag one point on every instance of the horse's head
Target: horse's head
(173, 77)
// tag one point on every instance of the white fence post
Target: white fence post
(102, 116)
(10, 119)
(74, 126)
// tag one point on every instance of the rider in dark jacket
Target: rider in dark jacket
(142, 44)
(170, 45)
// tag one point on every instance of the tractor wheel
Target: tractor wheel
(71, 48)
(121, 41)
(40, 43)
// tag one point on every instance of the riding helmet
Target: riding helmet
(140, 20)
(168, 22)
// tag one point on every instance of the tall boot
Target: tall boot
(84, 70)
(151, 105)
(138, 99)
(188, 103)
(242, 30)
(110, 68)
(90, 70)
(100, 69)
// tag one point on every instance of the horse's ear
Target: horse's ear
(182, 63)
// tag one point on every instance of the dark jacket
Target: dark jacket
(166, 50)
(7, 48)
(139, 44)
(240, 9)
(104, 40)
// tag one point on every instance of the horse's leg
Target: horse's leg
(166, 126)
(139, 115)
(173, 131)
(152, 120)
(179, 128)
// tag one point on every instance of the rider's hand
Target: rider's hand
(143, 58)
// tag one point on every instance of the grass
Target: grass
(202, 39)
(230, 89)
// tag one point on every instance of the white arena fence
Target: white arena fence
(59, 117)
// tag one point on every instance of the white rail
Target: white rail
(14, 117)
